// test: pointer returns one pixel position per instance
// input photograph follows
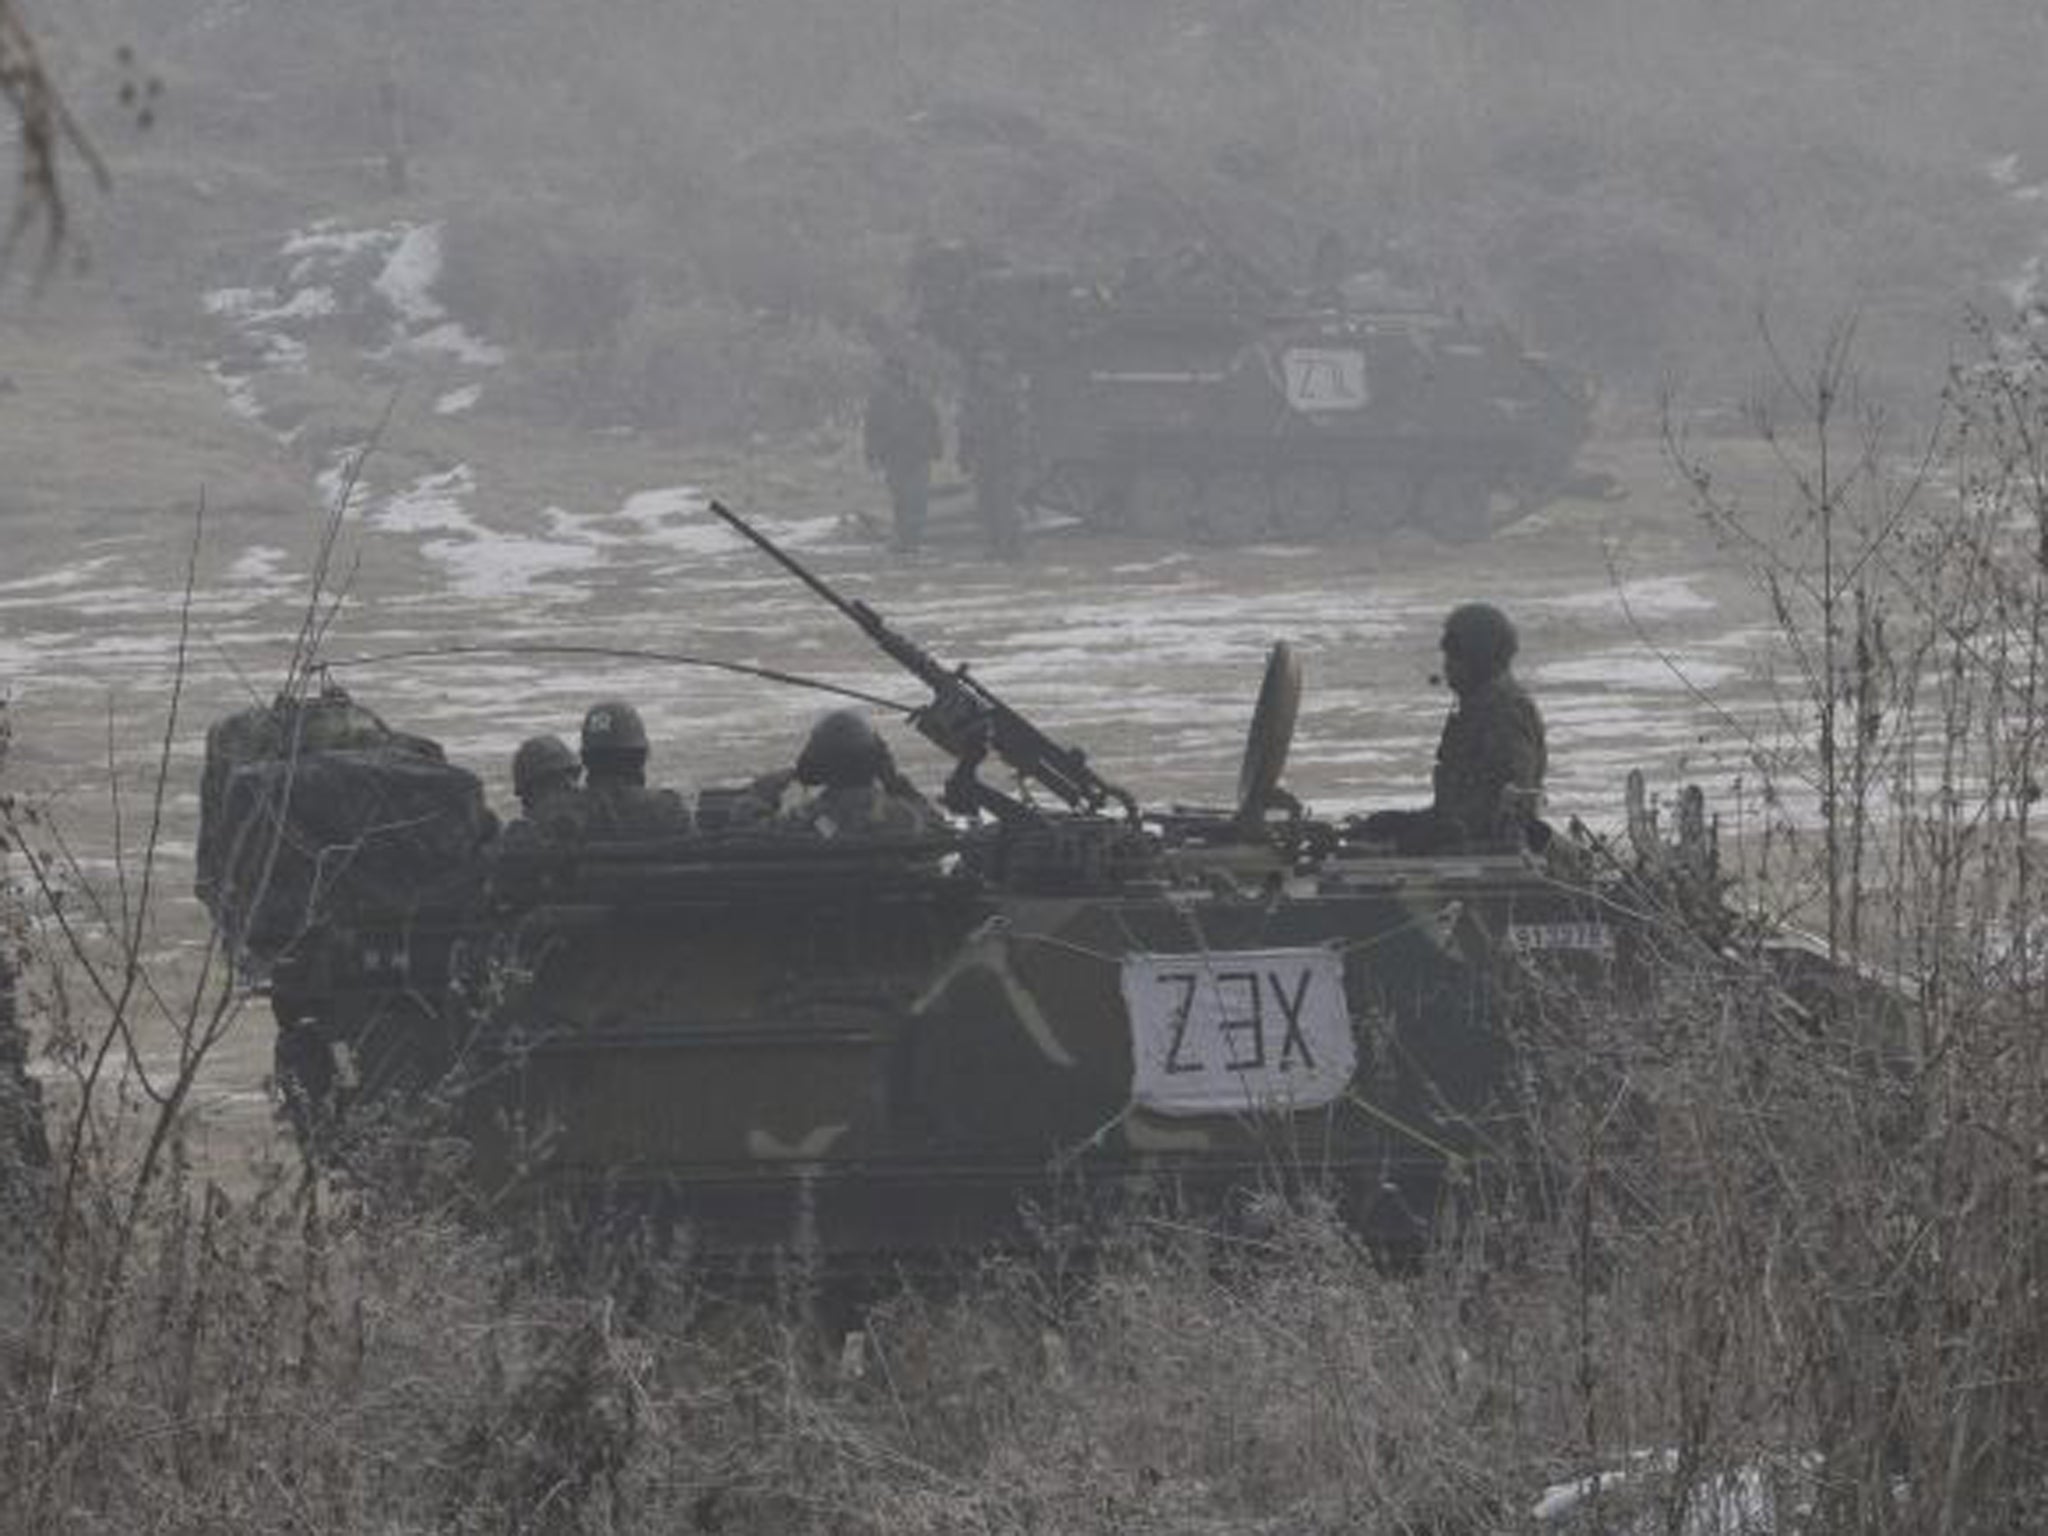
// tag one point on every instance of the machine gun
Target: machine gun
(965, 719)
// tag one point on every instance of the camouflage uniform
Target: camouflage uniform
(862, 810)
(858, 790)
(991, 449)
(556, 816)
(544, 772)
(1490, 760)
(900, 436)
(609, 808)
(615, 801)
(1493, 741)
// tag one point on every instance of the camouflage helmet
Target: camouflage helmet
(843, 752)
(1481, 634)
(612, 730)
(541, 763)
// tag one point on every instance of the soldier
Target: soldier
(991, 449)
(542, 768)
(1490, 760)
(1326, 272)
(859, 790)
(544, 775)
(900, 435)
(615, 800)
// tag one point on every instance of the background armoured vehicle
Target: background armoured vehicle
(890, 1048)
(1193, 397)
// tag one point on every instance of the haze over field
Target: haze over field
(560, 274)
(692, 217)
(430, 328)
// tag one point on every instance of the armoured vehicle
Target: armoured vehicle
(1192, 397)
(775, 1038)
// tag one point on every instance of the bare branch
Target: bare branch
(48, 134)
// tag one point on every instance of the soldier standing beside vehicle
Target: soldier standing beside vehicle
(615, 800)
(1491, 758)
(901, 438)
(991, 449)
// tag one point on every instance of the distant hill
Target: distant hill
(696, 215)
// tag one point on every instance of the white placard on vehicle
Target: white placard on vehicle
(1229, 1031)
(1324, 378)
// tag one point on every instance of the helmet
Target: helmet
(541, 762)
(613, 730)
(1482, 635)
(843, 752)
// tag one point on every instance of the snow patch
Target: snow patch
(456, 401)
(577, 527)
(334, 481)
(497, 565)
(431, 504)
(674, 518)
(233, 303)
(1650, 597)
(452, 339)
(259, 564)
(407, 281)
(481, 563)
(328, 240)
(1754, 1500)
(240, 392)
(64, 576)
(1624, 669)
(2024, 290)
(251, 307)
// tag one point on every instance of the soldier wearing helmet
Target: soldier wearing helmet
(615, 800)
(857, 789)
(544, 774)
(1490, 760)
(542, 768)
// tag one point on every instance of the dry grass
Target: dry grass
(1782, 1260)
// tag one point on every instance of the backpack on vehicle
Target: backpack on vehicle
(313, 809)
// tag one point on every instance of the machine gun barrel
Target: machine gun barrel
(965, 719)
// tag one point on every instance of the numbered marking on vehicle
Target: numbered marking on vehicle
(1324, 378)
(1229, 1031)
(1597, 938)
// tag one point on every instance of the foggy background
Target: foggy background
(559, 270)
(691, 217)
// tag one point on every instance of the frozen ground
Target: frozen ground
(1149, 659)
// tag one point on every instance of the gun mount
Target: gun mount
(965, 719)
(887, 1050)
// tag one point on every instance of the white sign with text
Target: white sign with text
(1229, 1031)
(1324, 378)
